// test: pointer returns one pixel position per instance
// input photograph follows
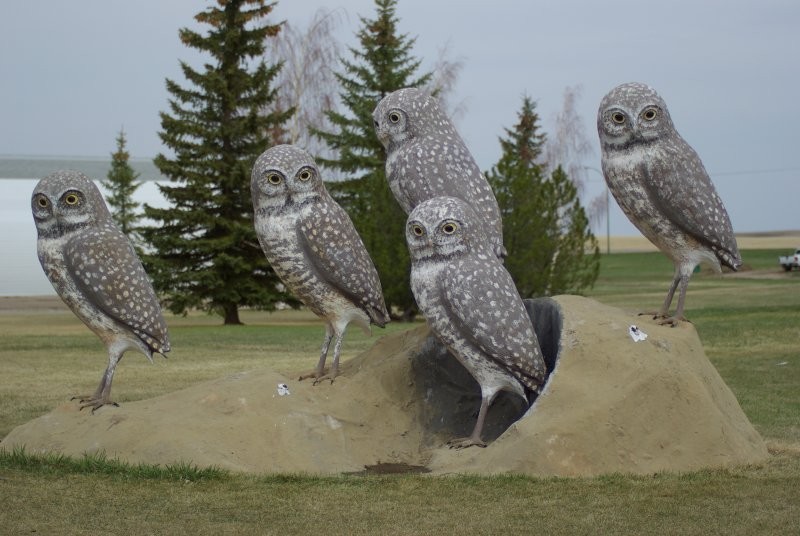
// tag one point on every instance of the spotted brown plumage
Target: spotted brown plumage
(96, 272)
(471, 304)
(312, 245)
(426, 158)
(663, 188)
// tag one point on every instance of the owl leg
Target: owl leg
(664, 311)
(474, 439)
(683, 282)
(337, 349)
(101, 396)
(326, 343)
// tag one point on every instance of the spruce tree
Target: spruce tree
(121, 184)
(381, 65)
(205, 251)
(545, 228)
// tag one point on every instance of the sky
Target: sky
(74, 73)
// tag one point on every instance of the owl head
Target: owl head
(632, 113)
(407, 113)
(67, 200)
(285, 175)
(443, 227)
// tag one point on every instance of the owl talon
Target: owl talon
(330, 376)
(96, 404)
(465, 442)
(673, 321)
(316, 375)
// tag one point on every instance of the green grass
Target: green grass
(39, 372)
(750, 328)
(100, 464)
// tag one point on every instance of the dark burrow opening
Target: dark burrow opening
(450, 396)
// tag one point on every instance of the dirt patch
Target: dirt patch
(768, 240)
(19, 304)
(779, 274)
(610, 405)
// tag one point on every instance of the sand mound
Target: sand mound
(611, 405)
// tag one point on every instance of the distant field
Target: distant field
(771, 240)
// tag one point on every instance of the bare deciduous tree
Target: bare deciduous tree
(307, 82)
(443, 82)
(567, 146)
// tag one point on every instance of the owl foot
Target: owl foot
(673, 321)
(330, 376)
(94, 403)
(655, 314)
(464, 442)
(316, 375)
(319, 376)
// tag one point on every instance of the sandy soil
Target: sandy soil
(610, 405)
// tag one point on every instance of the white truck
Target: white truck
(790, 261)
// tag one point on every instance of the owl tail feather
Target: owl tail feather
(732, 259)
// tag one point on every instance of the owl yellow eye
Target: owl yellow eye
(618, 117)
(71, 199)
(650, 114)
(449, 228)
(304, 175)
(417, 230)
(394, 117)
(274, 178)
(42, 202)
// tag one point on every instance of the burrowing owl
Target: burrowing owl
(471, 304)
(96, 271)
(661, 185)
(426, 157)
(314, 248)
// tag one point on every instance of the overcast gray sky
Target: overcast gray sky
(73, 73)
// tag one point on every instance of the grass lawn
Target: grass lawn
(750, 327)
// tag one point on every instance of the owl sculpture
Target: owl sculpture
(663, 188)
(314, 248)
(425, 158)
(96, 271)
(471, 303)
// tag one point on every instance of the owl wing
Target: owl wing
(335, 251)
(689, 199)
(108, 272)
(447, 169)
(487, 309)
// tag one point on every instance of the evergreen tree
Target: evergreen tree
(121, 184)
(206, 254)
(381, 65)
(545, 228)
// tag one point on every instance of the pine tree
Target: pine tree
(206, 254)
(381, 65)
(545, 228)
(121, 184)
